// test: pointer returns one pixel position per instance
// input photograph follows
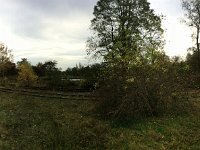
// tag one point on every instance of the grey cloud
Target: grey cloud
(58, 7)
(29, 16)
(28, 27)
(71, 53)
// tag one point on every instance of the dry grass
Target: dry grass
(38, 123)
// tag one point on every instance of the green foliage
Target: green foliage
(148, 90)
(124, 30)
(49, 74)
(5, 59)
(84, 72)
(191, 8)
(54, 79)
(138, 79)
(192, 13)
(53, 75)
(192, 59)
(87, 75)
(39, 69)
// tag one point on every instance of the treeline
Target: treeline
(46, 75)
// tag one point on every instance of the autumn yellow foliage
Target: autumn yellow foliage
(26, 75)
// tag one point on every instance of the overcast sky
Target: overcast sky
(43, 30)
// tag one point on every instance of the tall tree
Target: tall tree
(126, 33)
(192, 13)
(128, 36)
(124, 29)
(5, 57)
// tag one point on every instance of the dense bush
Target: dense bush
(141, 90)
(88, 84)
(26, 75)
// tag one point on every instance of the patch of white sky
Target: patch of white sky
(177, 34)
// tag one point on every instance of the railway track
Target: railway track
(51, 94)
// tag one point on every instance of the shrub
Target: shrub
(26, 76)
(147, 90)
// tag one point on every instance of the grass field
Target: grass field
(37, 123)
